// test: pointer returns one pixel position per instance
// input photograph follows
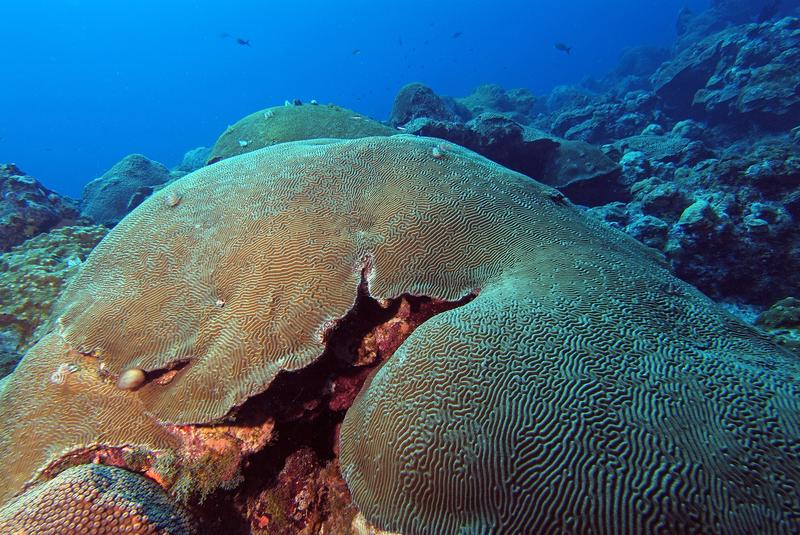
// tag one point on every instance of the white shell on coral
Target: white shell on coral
(173, 199)
(130, 379)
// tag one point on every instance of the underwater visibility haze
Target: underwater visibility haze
(94, 81)
(400, 267)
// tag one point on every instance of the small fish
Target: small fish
(563, 47)
(456, 35)
(224, 35)
(243, 42)
(356, 51)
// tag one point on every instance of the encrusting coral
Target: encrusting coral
(549, 372)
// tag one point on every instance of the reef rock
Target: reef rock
(27, 208)
(605, 119)
(742, 11)
(752, 187)
(640, 61)
(516, 104)
(294, 123)
(693, 27)
(31, 278)
(782, 320)
(663, 149)
(192, 160)
(537, 366)
(721, 206)
(741, 74)
(580, 170)
(567, 97)
(416, 100)
(107, 199)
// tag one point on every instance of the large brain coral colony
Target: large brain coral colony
(549, 373)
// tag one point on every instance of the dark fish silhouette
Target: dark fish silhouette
(563, 47)
(456, 35)
(356, 51)
(243, 42)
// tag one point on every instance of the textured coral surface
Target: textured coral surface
(96, 500)
(571, 381)
(280, 124)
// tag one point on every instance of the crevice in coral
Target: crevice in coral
(165, 375)
(294, 484)
(272, 465)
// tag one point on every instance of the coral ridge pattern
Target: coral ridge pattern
(584, 388)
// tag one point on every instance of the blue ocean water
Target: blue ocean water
(88, 82)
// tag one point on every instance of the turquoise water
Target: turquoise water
(88, 82)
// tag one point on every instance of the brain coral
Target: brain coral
(99, 500)
(583, 389)
(280, 124)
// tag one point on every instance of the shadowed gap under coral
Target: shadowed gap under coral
(294, 482)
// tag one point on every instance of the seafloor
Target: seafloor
(501, 313)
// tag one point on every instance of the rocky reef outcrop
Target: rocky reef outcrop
(416, 100)
(708, 156)
(782, 320)
(726, 218)
(192, 160)
(27, 208)
(32, 276)
(737, 76)
(574, 167)
(107, 199)
(516, 104)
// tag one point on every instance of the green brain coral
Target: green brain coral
(280, 124)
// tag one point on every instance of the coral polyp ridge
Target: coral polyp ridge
(458, 344)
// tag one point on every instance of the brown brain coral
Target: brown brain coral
(583, 388)
(99, 500)
(280, 124)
